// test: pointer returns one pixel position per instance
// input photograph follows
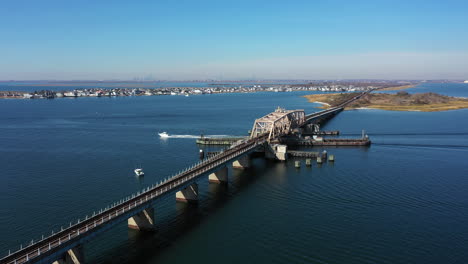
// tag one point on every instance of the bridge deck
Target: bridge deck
(51, 248)
(334, 109)
(66, 239)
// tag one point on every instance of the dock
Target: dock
(331, 142)
(300, 140)
(211, 154)
(322, 133)
(306, 154)
(218, 141)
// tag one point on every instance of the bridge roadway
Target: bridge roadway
(336, 109)
(323, 113)
(53, 247)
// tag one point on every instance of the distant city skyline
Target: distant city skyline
(218, 40)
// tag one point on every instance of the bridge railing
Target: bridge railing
(127, 204)
(336, 108)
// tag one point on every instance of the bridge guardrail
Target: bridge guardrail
(46, 245)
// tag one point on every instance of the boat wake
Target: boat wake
(193, 136)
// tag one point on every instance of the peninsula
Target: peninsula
(54, 90)
(401, 101)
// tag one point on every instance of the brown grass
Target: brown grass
(332, 98)
(396, 88)
(424, 102)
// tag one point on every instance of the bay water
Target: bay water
(401, 200)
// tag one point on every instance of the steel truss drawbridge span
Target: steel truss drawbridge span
(277, 123)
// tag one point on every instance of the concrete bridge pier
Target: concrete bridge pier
(269, 151)
(220, 176)
(281, 152)
(276, 152)
(242, 163)
(73, 256)
(143, 221)
(188, 195)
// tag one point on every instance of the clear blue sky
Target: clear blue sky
(233, 39)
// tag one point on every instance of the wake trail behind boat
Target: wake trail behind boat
(196, 136)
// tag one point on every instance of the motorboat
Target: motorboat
(163, 135)
(139, 172)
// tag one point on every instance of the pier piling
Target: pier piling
(188, 195)
(297, 163)
(143, 221)
(220, 176)
(241, 163)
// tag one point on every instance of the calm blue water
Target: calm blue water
(450, 89)
(453, 89)
(403, 200)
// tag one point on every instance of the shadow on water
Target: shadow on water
(144, 247)
(219, 193)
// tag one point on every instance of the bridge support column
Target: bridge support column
(242, 163)
(188, 195)
(143, 221)
(281, 152)
(269, 151)
(276, 152)
(73, 256)
(220, 176)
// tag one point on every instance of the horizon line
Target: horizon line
(227, 80)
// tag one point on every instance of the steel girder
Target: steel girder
(278, 123)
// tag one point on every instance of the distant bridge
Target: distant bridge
(318, 117)
(65, 245)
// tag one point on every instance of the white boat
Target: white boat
(163, 135)
(139, 172)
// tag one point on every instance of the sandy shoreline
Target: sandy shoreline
(419, 102)
(363, 108)
(322, 103)
(397, 88)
